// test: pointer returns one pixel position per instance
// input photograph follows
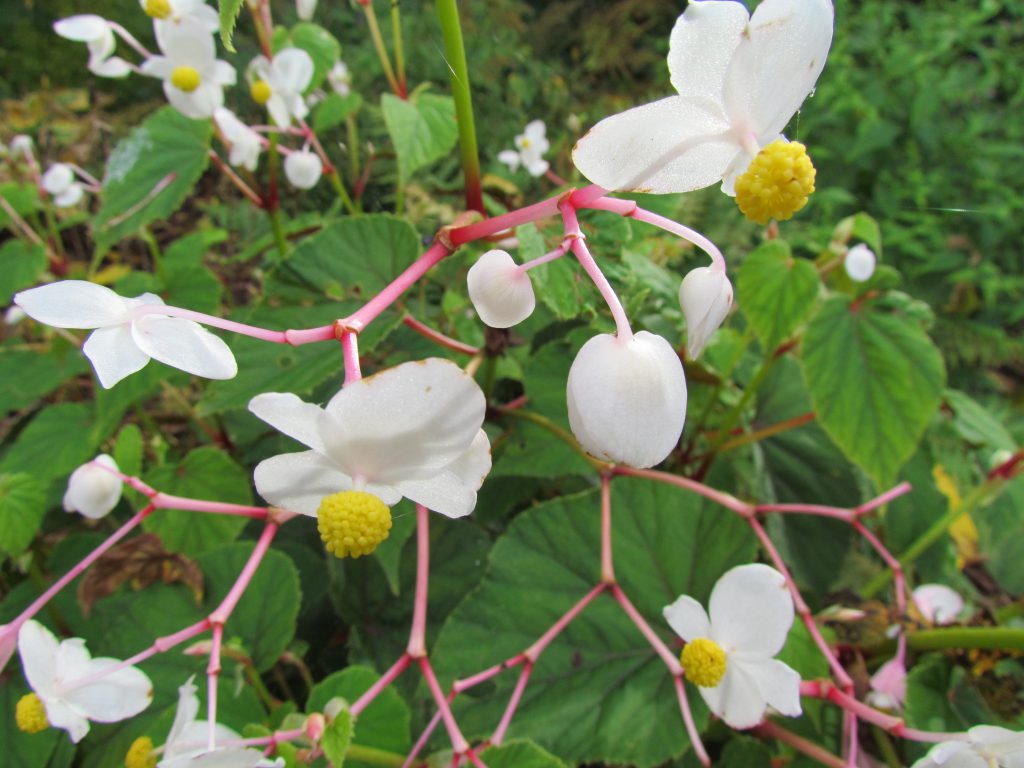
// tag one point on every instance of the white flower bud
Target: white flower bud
(706, 297)
(627, 398)
(305, 9)
(340, 79)
(58, 178)
(303, 169)
(22, 145)
(92, 490)
(501, 292)
(938, 603)
(860, 263)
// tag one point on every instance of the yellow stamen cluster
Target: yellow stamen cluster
(140, 754)
(158, 9)
(703, 662)
(185, 79)
(30, 714)
(777, 183)
(260, 91)
(353, 523)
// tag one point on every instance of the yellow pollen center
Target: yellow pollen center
(140, 754)
(260, 91)
(158, 9)
(30, 714)
(777, 183)
(703, 662)
(185, 79)
(353, 523)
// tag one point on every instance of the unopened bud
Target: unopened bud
(303, 169)
(314, 726)
(92, 490)
(706, 297)
(501, 292)
(860, 263)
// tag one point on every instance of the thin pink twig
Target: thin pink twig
(691, 726)
(726, 500)
(517, 694)
(350, 352)
(383, 682)
(437, 337)
(417, 647)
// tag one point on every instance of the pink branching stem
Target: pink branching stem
(129, 38)
(295, 338)
(691, 726)
(885, 498)
(212, 673)
(237, 180)
(517, 694)
(829, 691)
(85, 175)
(459, 743)
(310, 135)
(19, 222)
(579, 248)
(167, 501)
(159, 187)
(726, 500)
(773, 730)
(899, 583)
(421, 742)
(350, 351)
(558, 253)
(437, 337)
(607, 563)
(645, 629)
(390, 294)
(417, 635)
(277, 737)
(385, 680)
(532, 653)
(837, 513)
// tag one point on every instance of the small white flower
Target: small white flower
(166, 14)
(889, 685)
(988, 747)
(412, 431)
(340, 79)
(938, 603)
(305, 9)
(860, 263)
(22, 145)
(246, 144)
(194, 78)
(531, 145)
(125, 339)
(72, 686)
(739, 80)
(303, 169)
(279, 84)
(627, 398)
(60, 183)
(705, 296)
(501, 292)
(733, 649)
(93, 491)
(96, 33)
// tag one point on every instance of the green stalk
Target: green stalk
(343, 195)
(353, 149)
(396, 41)
(455, 52)
(382, 52)
(273, 207)
(556, 430)
(991, 638)
(373, 756)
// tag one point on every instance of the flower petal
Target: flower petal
(188, 43)
(292, 70)
(70, 196)
(185, 345)
(114, 67)
(62, 715)
(510, 158)
(291, 415)
(778, 682)
(82, 28)
(676, 144)
(114, 354)
(702, 44)
(687, 618)
(58, 178)
(751, 611)
(445, 493)
(115, 696)
(938, 603)
(184, 715)
(501, 293)
(38, 648)
(473, 466)
(742, 705)
(405, 423)
(157, 66)
(777, 63)
(299, 481)
(73, 304)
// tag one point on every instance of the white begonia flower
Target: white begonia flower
(279, 83)
(22, 145)
(194, 78)
(531, 145)
(501, 292)
(627, 398)
(246, 144)
(303, 169)
(167, 14)
(859, 263)
(72, 686)
(60, 183)
(305, 9)
(938, 603)
(93, 491)
(731, 651)
(706, 297)
(340, 79)
(739, 80)
(989, 747)
(98, 36)
(126, 338)
(412, 431)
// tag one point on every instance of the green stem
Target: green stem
(382, 52)
(701, 420)
(992, 638)
(335, 179)
(373, 756)
(272, 205)
(885, 746)
(154, 250)
(396, 40)
(455, 52)
(353, 149)
(51, 225)
(557, 431)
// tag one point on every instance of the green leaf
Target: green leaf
(22, 197)
(532, 451)
(24, 749)
(389, 553)
(39, 373)
(422, 131)
(977, 425)
(598, 693)
(128, 450)
(229, 10)
(556, 283)
(336, 738)
(21, 265)
(150, 173)
(520, 754)
(205, 473)
(776, 291)
(333, 110)
(188, 282)
(55, 442)
(744, 753)
(942, 697)
(875, 379)
(22, 507)
(264, 619)
(384, 724)
(322, 47)
(1001, 533)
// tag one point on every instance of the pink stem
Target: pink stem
(278, 337)
(129, 38)
(836, 513)
(167, 501)
(421, 742)
(223, 611)
(899, 582)
(417, 635)
(579, 248)
(481, 677)
(350, 350)
(396, 288)
(558, 253)
(459, 743)
(773, 730)
(726, 500)
(386, 679)
(277, 737)
(607, 563)
(159, 187)
(645, 629)
(885, 498)
(439, 338)
(513, 703)
(691, 726)
(212, 673)
(532, 653)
